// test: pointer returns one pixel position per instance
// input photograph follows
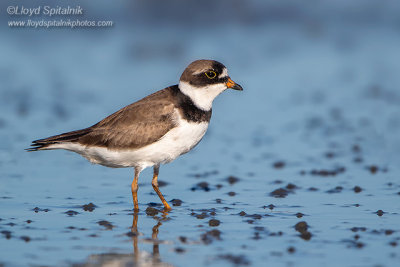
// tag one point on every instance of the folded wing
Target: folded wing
(132, 127)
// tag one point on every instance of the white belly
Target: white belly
(176, 142)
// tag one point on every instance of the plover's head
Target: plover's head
(204, 80)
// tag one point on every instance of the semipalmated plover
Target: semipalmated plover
(154, 130)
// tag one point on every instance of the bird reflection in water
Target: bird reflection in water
(137, 254)
(139, 257)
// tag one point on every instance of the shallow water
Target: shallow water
(314, 138)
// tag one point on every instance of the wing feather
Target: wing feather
(135, 125)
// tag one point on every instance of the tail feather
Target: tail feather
(73, 136)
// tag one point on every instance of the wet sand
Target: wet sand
(299, 169)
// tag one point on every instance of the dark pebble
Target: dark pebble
(25, 238)
(218, 201)
(201, 186)
(357, 229)
(373, 169)
(291, 186)
(37, 209)
(213, 222)
(154, 204)
(7, 234)
(205, 174)
(204, 185)
(256, 236)
(337, 189)
(313, 189)
(179, 250)
(354, 243)
(106, 224)
(380, 212)
(325, 173)
(231, 194)
(357, 189)
(209, 236)
(150, 211)
(232, 180)
(254, 216)
(299, 215)
(242, 213)
(329, 155)
(183, 239)
(176, 202)
(162, 183)
(389, 232)
(270, 206)
(301, 226)
(202, 215)
(235, 259)
(356, 148)
(291, 250)
(89, 207)
(393, 244)
(28, 221)
(279, 193)
(71, 213)
(360, 245)
(279, 164)
(306, 235)
(131, 234)
(276, 233)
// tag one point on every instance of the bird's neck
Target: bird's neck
(202, 97)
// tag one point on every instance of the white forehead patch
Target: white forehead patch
(223, 74)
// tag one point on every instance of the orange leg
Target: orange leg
(134, 187)
(154, 182)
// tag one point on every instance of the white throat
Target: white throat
(202, 97)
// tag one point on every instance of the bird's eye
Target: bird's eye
(211, 74)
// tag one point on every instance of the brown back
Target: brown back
(135, 125)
